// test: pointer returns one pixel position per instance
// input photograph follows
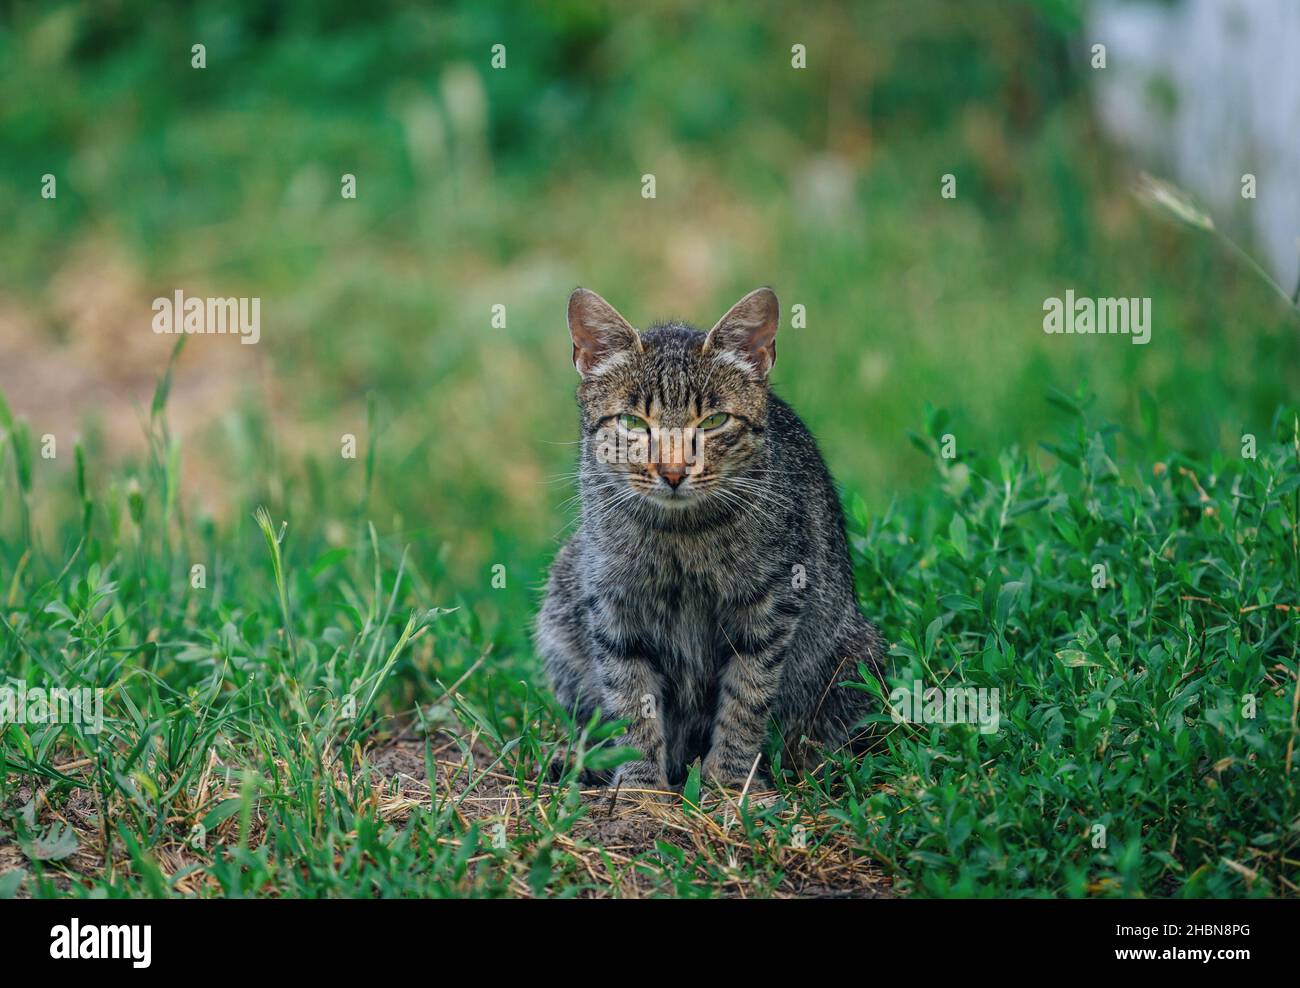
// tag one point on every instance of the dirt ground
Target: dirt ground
(611, 835)
(631, 825)
(83, 363)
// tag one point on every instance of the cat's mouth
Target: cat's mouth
(664, 494)
(673, 497)
(685, 492)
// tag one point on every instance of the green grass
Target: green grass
(311, 706)
(262, 706)
(1154, 698)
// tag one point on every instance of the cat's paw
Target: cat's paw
(642, 779)
(731, 774)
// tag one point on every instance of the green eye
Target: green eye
(714, 421)
(633, 424)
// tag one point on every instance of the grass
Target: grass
(1142, 627)
(343, 699)
(314, 720)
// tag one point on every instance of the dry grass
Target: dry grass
(615, 841)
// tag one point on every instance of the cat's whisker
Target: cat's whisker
(761, 492)
(729, 497)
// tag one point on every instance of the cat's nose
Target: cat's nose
(674, 475)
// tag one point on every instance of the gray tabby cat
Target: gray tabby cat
(708, 589)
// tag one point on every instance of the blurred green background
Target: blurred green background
(480, 186)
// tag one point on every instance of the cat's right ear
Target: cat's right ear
(599, 333)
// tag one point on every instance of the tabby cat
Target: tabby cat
(707, 590)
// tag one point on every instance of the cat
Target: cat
(708, 589)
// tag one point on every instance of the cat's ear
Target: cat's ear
(748, 331)
(598, 331)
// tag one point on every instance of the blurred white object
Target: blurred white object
(1206, 91)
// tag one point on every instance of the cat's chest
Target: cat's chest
(670, 578)
(676, 566)
(670, 603)
(676, 594)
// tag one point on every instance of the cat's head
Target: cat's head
(673, 415)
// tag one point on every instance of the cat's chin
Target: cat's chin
(672, 500)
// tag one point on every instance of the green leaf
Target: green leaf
(691, 791)
(21, 440)
(540, 872)
(932, 635)
(221, 812)
(328, 559)
(957, 533)
(10, 882)
(59, 842)
(1008, 599)
(606, 759)
(164, 386)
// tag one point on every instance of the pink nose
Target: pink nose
(673, 474)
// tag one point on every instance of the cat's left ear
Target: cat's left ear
(748, 330)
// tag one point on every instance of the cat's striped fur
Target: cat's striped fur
(701, 610)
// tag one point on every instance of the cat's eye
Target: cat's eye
(714, 421)
(633, 424)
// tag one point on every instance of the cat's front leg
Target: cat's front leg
(630, 691)
(745, 697)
